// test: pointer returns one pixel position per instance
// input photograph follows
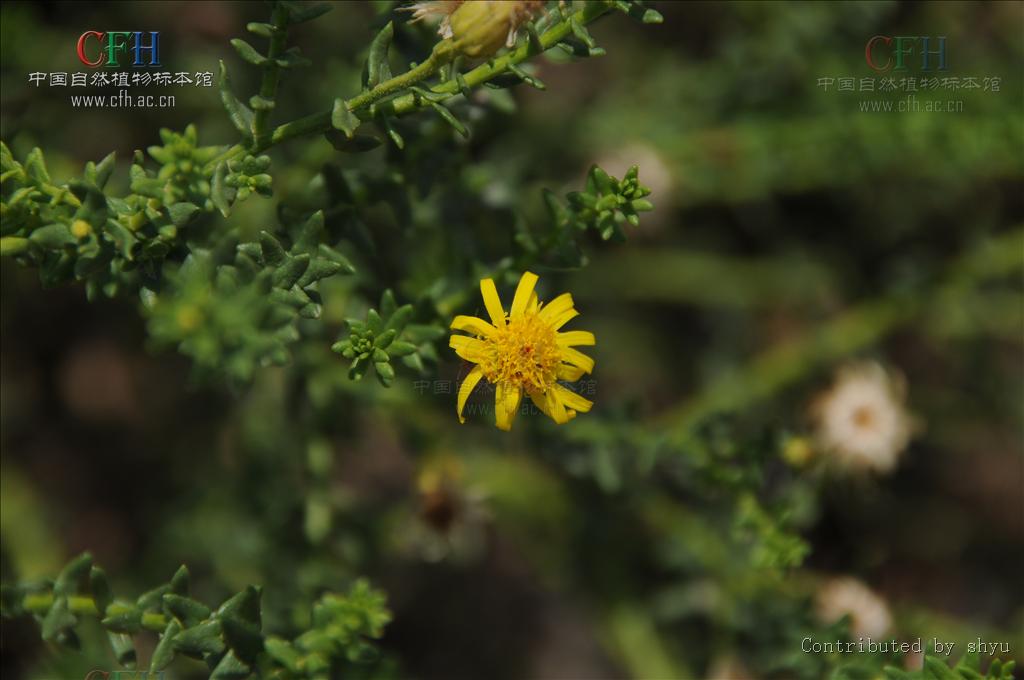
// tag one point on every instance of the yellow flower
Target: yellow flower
(524, 352)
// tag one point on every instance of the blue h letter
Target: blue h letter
(153, 49)
(940, 53)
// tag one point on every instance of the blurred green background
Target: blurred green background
(791, 230)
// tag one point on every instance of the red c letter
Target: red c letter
(867, 52)
(81, 49)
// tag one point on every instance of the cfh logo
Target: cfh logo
(109, 46)
(884, 53)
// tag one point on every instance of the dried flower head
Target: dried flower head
(861, 419)
(846, 596)
(523, 352)
(452, 516)
(431, 10)
(479, 28)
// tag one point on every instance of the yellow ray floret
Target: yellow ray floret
(523, 352)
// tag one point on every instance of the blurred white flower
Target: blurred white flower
(869, 614)
(861, 419)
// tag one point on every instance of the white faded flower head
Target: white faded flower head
(432, 10)
(868, 612)
(861, 420)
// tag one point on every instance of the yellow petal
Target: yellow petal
(492, 302)
(506, 403)
(470, 349)
(534, 304)
(472, 324)
(466, 388)
(571, 338)
(570, 373)
(573, 400)
(577, 358)
(523, 292)
(557, 306)
(548, 402)
(562, 319)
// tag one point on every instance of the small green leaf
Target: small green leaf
(526, 77)
(189, 611)
(261, 29)
(387, 304)
(343, 119)
(373, 322)
(244, 606)
(240, 115)
(248, 52)
(57, 619)
(400, 318)
(52, 236)
(292, 58)
(288, 274)
(401, 349)
(100, 588)
(200, 640)
(35, 166)
(273, 253)
(319, 269)
(164, 652)
(385, 373)
(231, 668)
(392, 133)
(384, 339)
(333, 255)
(123, 647)
(221, 194)
(357, 144)
(152, 599)
(259, 103)
(68, 580)
(99, 173)
(450, 118)
(284, 653)
(377, 68)
(182, 213)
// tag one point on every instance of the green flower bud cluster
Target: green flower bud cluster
(229, 639)
(182, 175)
(606, 204)
(248, 175)
(76, 231)
(234, 315)
(386, 335)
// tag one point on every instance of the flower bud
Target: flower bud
(80, 229)
(480, 28)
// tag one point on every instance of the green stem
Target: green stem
(407, 103)
(271, 72)
(321, 122)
